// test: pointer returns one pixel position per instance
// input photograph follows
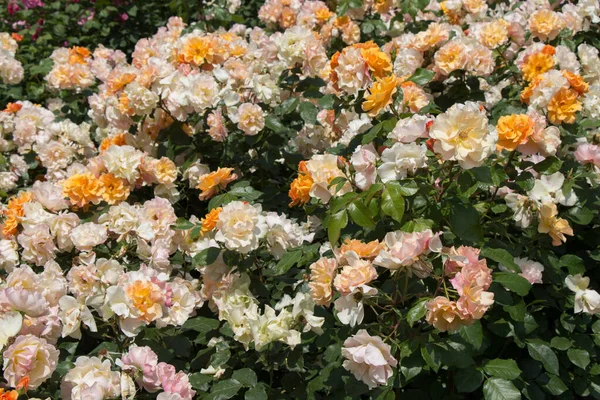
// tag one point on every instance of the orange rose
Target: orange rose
(513, 130)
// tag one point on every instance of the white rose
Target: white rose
(37, 243)
(586, 300)
(9, 257)
(123, 162)
(88, 235)
(410, 129)
(90, 378)
(72, 314)
(49, 195)
(241, 226)
(32, 357)
(401, 160)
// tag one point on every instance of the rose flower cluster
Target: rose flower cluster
(381, 191)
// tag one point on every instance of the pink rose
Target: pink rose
(588, 154)
(172, 382)
(145, 360)
(364, 162)
(404, 251)
(368, 358)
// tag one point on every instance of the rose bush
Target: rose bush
(300, 199)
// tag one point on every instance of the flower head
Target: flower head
(563, 106)
(380, 95)
(513, 130)
(368, 358)
(211, 183)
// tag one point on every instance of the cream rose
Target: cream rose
(88, 235)
(368, 358)
(90, 378)
(241, 226)
(32, 357)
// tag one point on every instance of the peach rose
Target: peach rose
(443, 314)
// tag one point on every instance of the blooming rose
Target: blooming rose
(363, 160)
(177, 383)
(143, 361)
(323, 168)
(9, 257)
(251, 119)
(90, 378)
(321, 279)
(72, 314)
(586, 300)
(356, 274)
(123, 162)
(530, 270)
(32, 357)
(88, 235)
(462, 133)
(443, 314)
(401, 160)
(408, 130)
(368, 358)
(403, 251)
(241, 226)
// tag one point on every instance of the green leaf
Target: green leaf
(422, 76)
(468, 380)
(183, 224)
(337, 222)
(289, 105)
(199, 381)
(406, 188)
(473, 334)
(574, 264)
(327, 101)
(555, 386)
(413, 7)
(579, 357)
(201, 324)
(256, 393)
(392, 202)
(274, 124)
(560, 343)
(500, 389)
(464, 222)
(417, 312)
(432, 356)
(308, 112)
(372, 133)
(220, 358)
(360, 214)
(549, 165)
(501, 256)
(288, 260)
(512, 281)
(580, 215)
(224, 390)
(541, 352)
(207, 256)
(525, 180)
(246, 377)
(505, 369)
